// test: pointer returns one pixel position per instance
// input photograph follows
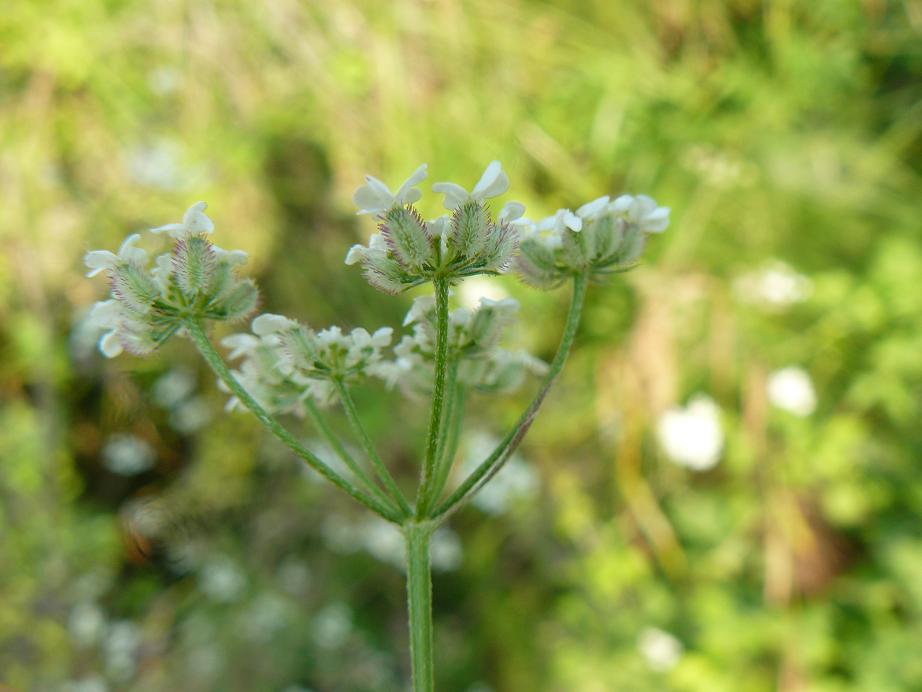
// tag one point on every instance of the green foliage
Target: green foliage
(776, 132)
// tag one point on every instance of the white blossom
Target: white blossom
(692, 436)
(128, 455)
(268, 323)
(375, 197)
(660, 649)
(492, 183)
(194, 221)
(791, 390)
(642, 211)
(103, 260)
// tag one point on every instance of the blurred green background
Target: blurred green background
(149, 542)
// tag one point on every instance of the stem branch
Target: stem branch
(217, 364)
(492, 464)
(419, 604)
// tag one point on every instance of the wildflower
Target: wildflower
(103, 260)
(408, 250)
(602, 237)
(194, 222)
(791, 390)
(492, 183)
(661, 650)
(148, 304)
(128, 455)
(375, 197)
(691, 436)
(643, 212)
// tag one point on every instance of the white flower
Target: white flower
(128, 455)
(357, 253)
(194, 221)
(267, 323)
(511, 211)
(375, 197)
(240, 345)
(492, 183)
(775, 286)
(791, 389)
(692, 436)
(661, 650)
(593, 209)
(642, 211)
(562, 219)
(102, 260)
(105, 315)
(418, 309)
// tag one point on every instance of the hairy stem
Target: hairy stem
(419, 604)
(380, 469)
(492, 464)
(337, 446)
(217, 364)
(427, 490)
(453, 419)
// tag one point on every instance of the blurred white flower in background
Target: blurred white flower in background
(474, 288)
(127, 455)
(120, 649)
(774, 286)
(90, 684)
(516, 481)
(791, 390)
(221, 580)
(383, 541)
(660, 649)
(332, 625)
(691, 436)
(86, 624)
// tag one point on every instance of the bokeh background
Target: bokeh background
(682, 517)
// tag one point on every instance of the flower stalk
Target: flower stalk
(417, 536)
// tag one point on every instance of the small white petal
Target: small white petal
(492, 183)
(99, 260)
(196, 221)
(407, 194)
(511, 211)
(572, 221)
(356, 254)
(110, 345)
(455, 195)
(269, 323)
(593, 208)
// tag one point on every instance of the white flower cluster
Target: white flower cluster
(473, 338)
(149, 302)
(285, 361)
(604, 236)
(408, 251)
(692, 436)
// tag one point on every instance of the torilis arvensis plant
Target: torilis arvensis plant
(286, 367)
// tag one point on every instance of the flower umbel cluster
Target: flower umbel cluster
(149, 303)
(285, 361)
(287, 367)
(603, 237)
(408, 251)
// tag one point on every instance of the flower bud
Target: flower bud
(406, 236)
(194, 264)
(469, 229)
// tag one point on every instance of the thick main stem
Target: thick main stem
(492, 464)
(217, 364)
(427, 490)
(419, 604)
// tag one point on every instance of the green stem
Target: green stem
(380, 469)
(337, 446)
(217, 364)
(453, 418)
(426, 498)
(492, 464)
(419, 604)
